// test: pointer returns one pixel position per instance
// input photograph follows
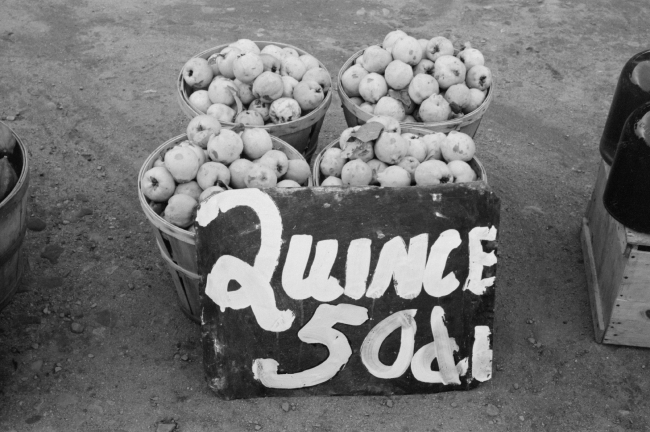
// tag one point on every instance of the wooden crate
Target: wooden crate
(617, 263)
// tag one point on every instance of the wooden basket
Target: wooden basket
(302, 133)
(13, 227)
(317, 176)
(355, 116)
(177, 245)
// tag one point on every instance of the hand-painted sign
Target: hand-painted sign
(347, 290)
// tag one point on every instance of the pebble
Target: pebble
(166, 427)
(75, 327)
(52, 253)
(454, 404)
(624, 412)
(532, 340)
(516, 386)
(83, 212)
(521, 418)
(36, 366)
(361, 12)
(66, 399)
(95, 408)
(258, 427)
(285, 406)
(36, 224)
(57, 369)
(91, 356)
(492, 410)
(185, 357)
(389, 403)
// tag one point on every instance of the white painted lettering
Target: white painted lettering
(406, 268)
(434, 284)
(319, 284)
(421, 363)
(357, 268)
(481, 354)
(479, 259)
(320, 330)
(256, 290)
(372, 344)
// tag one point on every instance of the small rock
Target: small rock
(95, 408)
(83, 212)
(361, 12)
(385, 12)
(532, 340)
(33, 419)
(258, 427)
(52, 253)
(521, 418)
(166, 427)
(624, 412)
(35, 345)
(516, 386)
(75, 327)
(66, 399)
(285, 406)
(57, 369)
(36, 366)
(91, 356)
(389, 403)
(81, 197)
(36, 224)
(185, 357)
(492, 410)
(454, 404)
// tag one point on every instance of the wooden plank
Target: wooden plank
(609, 246)
(635, 285)
(592, 282)
(630, 324)
(278, 264)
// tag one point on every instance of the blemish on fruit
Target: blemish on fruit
(178, 156)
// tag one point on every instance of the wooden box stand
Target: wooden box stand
(617, 263)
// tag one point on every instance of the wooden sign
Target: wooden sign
(346, 291)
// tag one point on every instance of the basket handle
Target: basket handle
(170, 261)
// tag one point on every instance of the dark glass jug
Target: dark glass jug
(627, 191)
(632, 91)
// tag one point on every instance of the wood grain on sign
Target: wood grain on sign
(300, 295)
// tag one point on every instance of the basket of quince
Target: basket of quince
(269, 85)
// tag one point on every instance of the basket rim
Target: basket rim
(405, 129)
(454, 123)
(310, 118)
(22, 178)
(158, 221)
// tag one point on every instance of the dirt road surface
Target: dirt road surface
(89, 86)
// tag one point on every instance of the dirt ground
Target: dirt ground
(90, 87)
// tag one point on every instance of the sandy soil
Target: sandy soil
(89, 86)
